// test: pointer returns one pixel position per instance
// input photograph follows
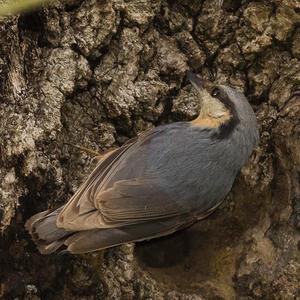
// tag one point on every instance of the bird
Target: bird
(159, 182)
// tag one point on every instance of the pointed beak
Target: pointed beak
(195, 80)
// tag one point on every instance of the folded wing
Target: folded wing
(126, 202)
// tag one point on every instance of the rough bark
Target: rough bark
(96, 73)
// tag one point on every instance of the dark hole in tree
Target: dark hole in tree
(164, 252)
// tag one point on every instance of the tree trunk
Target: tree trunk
(97, 72)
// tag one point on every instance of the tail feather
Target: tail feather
(49, 238)
(46, 235)
(98, 239)
(48, 248)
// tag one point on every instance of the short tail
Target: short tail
(46, 235)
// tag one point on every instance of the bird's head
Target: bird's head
(221, 107)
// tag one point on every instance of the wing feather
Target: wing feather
(81, 213)
(138, 200)
(109, 200)
(81, 203)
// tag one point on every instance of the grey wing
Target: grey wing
(125, 201)
(138, 200)
(81, 205)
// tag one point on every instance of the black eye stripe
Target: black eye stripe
(215, 92)
(227, 128)
(222, 96)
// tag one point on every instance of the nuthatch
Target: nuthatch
(157, 183)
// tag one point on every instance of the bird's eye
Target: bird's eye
(215, 92)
